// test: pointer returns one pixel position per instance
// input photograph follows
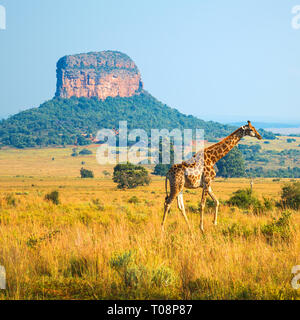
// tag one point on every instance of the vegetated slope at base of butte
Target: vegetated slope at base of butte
(63, 121)
(66, 121)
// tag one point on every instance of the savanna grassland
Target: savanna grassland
(103, 243)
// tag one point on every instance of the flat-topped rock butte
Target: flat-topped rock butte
(97, 74)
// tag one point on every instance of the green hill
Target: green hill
(64, 121)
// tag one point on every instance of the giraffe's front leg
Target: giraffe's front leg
(203, 202)
(217, 204)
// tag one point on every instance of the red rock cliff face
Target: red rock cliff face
(98, 74)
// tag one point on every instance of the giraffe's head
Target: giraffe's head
(250, 131)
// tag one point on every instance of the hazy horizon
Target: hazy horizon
(225, 62)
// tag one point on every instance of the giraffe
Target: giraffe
(199, 172)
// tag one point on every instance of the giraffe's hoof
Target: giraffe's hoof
(215, 223)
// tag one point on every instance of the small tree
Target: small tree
(161, 169)
(129, 176)
(86, 173)
(232, 165)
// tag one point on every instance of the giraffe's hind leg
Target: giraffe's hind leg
(168, 202)
(182, 209)
(217, 204)
(176, 186)
(203, 202)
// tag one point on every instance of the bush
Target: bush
(279, 229)
(86, 173)
(99, 206)
(129, 176)
(134, 200)
(85, 152)
(163, 277)
(236, 230)
(268, 204)
(290, 140)
(74, 153)
(106, 173)
(243, 199)
(193, 208)
(53, 197)
(290, 196)
(11, 200)
(134, 276)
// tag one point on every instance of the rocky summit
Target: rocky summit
(98, 74)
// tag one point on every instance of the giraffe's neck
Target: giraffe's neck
(220, 149)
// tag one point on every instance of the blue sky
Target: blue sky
(219, 60)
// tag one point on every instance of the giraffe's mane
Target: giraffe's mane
(223, 140)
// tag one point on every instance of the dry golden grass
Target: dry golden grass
(97, 245)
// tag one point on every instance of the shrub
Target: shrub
(106, 173)
(11, 200)
(290, 140)
(85, 152)
(135, 276)
(74, 153)
(129, 176)
(53, 197)
(209, 204)
(86, 173)
(163, 277)
(130, 274)
(243, 199)
(134, 200)
(33, 241)
(290, 196)
(120, 261)
(98, 204)
(268, 204)
(279, 229)
(193, 208)
(238, 231)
